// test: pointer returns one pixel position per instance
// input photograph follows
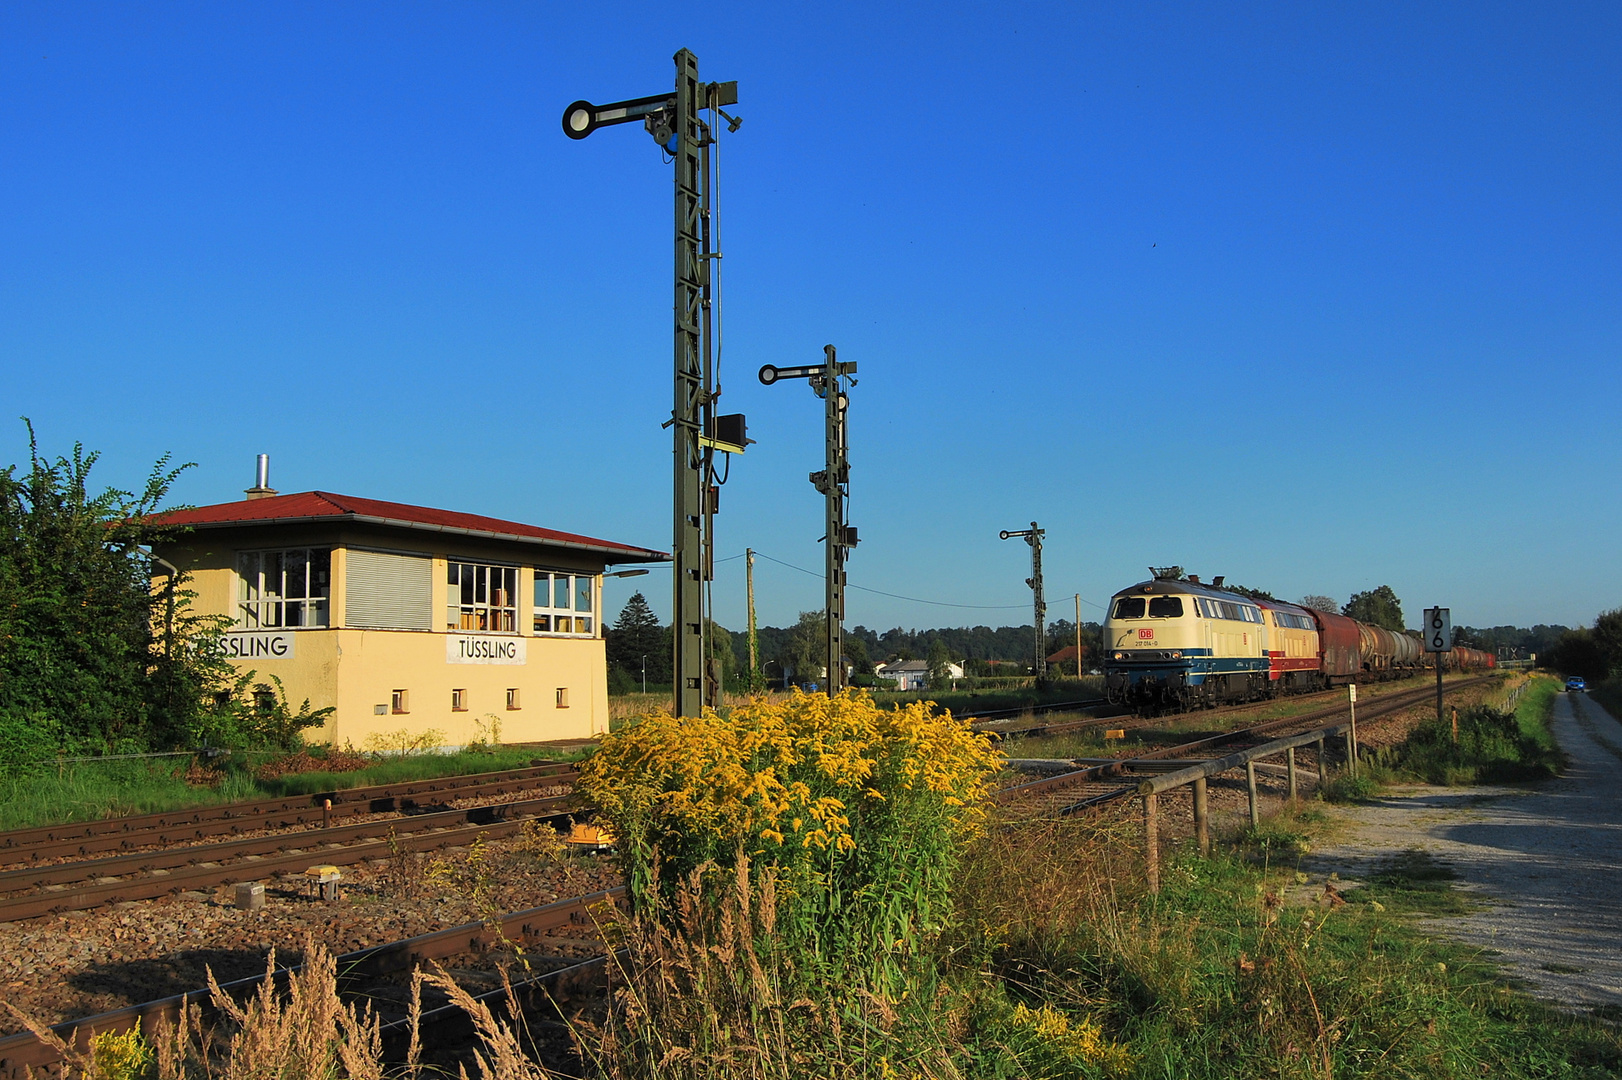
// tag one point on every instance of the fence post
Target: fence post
(1351, 750)
(1250, 783)
(1151, 837)
(1202, 817)
(1289, 764)
(1323, 764)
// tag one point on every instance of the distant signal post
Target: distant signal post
(1033, 536)
(834, 483)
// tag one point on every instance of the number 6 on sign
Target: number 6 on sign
(1438, 629)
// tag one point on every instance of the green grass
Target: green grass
(1235, 970)
(1070, 689)
(93, 790)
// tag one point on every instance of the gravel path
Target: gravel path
(1546, 859)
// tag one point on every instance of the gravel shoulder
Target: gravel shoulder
(1544, 861)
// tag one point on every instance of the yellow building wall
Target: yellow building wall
(355, 670)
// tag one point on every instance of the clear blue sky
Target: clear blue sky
(1315, 299)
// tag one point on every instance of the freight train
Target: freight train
(1178, 643)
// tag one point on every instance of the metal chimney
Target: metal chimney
(261, 479)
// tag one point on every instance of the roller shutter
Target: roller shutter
(388, 591)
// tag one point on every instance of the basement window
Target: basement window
(458, 701)
(400, 702)
(512, 697)
(563, 697)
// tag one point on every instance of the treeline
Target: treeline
(1594, 652)
(638, 643)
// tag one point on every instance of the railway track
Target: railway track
(83, 838)
(91, 864)
(987, 721)
(1095, 785)
(364, 973)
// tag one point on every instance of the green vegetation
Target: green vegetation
(1225, 973)
(94, 659)
(1038, 954)
(1377, 607)
(1609, 696)
(1594, 653)
(1492, 746)
(91, 790)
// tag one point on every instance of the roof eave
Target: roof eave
(625, 554)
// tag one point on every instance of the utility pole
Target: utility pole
(834, 483)
(1033, 536)
(673, 121)
(755, 677)
(1078, 635)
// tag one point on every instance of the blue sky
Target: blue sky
(1316, 299)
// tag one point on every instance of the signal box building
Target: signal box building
(407, 619)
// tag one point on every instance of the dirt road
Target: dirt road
(1546, 859)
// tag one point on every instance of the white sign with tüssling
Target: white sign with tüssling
(463, 649)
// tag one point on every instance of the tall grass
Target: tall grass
(1225, 974)
(1490, 745)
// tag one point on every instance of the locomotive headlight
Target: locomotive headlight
(1120, 656)
(1176, 655)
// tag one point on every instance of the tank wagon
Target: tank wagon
(1181, 643)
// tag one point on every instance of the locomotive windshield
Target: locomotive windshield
(1129, 607)
(1166, 607)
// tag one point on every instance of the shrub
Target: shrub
(857, 813)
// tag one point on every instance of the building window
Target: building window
(563, 697)
(564, 603)
(458, 701)
(283, 588)
(512, 697)
(400, 702)
(482, 598)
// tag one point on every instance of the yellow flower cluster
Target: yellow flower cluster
(1076, 1042)
(790, 773)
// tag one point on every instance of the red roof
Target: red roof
(1066, 653)
(323, 506)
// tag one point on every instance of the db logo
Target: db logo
(1146, 635)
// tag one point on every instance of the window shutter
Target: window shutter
(387, 591)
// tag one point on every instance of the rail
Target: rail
(26, 1054)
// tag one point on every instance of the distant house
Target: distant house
(913, 674)
(1066, 655)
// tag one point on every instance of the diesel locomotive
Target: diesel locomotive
(1178, 643)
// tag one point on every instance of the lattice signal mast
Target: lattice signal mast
(834, 482)
(1033, 536)
(674, 122)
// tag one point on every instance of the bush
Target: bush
(788, 862)
(1492, 746)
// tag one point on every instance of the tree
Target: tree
(1608, 636)
(856, 652)
(93, 659)
(637, 634)
(806, 650)
(1377, 607)
(1320, 603)
(940, 677)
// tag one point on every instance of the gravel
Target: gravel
(1546, 861)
